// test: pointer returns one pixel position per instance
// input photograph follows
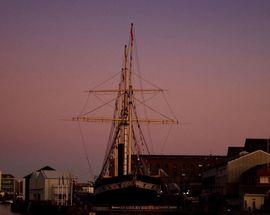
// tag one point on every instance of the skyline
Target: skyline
(211, 57)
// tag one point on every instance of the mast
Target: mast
(127, 108)
(130, 104)
(125, 117)
(125, 144)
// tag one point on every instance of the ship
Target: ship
(125, 180)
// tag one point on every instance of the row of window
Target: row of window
(176, 169)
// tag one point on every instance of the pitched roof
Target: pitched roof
(43, 168)
(56, 174)
(239, 156)
(46, 168)
(250, 154)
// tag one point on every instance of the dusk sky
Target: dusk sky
(212, 56)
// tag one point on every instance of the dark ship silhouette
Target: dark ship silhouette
(125, 180)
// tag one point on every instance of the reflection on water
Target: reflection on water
(5, 210)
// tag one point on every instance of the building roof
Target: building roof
(234, 151)
(46, 168)
(228, 159)
(55, 174)
(253, 144)
(43, 168)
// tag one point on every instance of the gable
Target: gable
(237, 166)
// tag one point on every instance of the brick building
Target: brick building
(184, 170)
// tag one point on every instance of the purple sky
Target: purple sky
(212, 56)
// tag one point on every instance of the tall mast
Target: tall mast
(125, 115)
(121, 159)
(130, 101)
(127, 108)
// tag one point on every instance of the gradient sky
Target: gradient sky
(212, 56)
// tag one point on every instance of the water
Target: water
(5, 210)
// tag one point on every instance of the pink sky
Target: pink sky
(213, 57)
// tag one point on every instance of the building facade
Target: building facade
(224, 178)
(254, 187)
(26, 181)
(183, 170)
(7, 184)
(51, 185)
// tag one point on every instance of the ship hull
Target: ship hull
(128, 190)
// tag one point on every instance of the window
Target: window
(264, 180)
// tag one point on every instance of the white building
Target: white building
(51, 185)
(238, 179)
(225, 177)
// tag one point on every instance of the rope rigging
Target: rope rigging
(126, 126)
(91, 173)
